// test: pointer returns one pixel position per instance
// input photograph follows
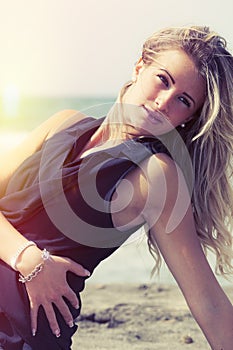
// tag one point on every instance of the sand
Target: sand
(138, 317)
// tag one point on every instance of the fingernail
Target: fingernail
(33, 332)
(57, 333)
(87, 273)
(77, 306)
(71, 324)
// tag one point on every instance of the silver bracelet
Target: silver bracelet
(15, 258)
(45, 256)
(32, 274)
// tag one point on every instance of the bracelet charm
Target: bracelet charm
(45, 256)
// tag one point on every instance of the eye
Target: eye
(185, 101)
(163, 79)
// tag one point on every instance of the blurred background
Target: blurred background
(75, 54)
(58, 54)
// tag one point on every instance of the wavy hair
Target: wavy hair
(208, 136)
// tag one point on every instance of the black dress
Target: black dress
(62, 203)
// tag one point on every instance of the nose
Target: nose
(162, 102)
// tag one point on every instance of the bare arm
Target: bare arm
(185, 258)
(34, 141)
(54, 276)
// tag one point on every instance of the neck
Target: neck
(112, 131)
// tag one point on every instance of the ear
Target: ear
(137, 68)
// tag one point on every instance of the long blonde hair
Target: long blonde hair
(208, 137)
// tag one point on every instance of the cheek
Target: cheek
(149, 87)
(150, 92)
(178, 114)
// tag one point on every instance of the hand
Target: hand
(49, 287)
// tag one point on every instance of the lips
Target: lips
(153, 116)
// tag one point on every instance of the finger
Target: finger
(78, 269)
(65, 312)
(52, 319)
(33, 314)
(72, 298)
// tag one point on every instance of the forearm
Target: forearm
(11, 241)
(216, 322)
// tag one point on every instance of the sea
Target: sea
(131, 263)
(25, 113)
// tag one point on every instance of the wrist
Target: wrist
(14, 259)
(29, 258)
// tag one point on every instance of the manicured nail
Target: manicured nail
(57, 333)
(33, 332)
(87, 273)
(71, 324)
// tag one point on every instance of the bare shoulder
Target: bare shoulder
(155, 177)
(153, 186)
(62, 120)
(160, 164)
(158, 169)
(33, 142)
(166, 187)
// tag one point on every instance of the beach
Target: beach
(123, 307)
(137, 317)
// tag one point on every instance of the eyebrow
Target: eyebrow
(173, 81)
(190, 97)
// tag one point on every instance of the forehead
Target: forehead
(175, 60)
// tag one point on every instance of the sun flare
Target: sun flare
(10, 99)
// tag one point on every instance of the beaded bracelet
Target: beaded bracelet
(15, 258)
(45, 256)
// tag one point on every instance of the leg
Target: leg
(9, 339)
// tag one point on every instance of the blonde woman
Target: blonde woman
(78, 187)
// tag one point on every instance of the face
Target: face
(166, 93)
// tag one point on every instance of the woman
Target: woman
(79, 187)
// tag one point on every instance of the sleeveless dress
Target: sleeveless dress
(62, 202)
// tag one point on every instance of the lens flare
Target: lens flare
(10, 100)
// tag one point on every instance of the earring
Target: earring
(134, 79)
(182, 125)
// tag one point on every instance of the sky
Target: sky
(89, 47)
